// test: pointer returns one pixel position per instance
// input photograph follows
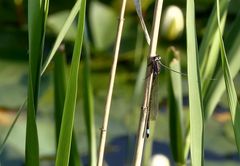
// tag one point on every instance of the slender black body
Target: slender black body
(155, 70)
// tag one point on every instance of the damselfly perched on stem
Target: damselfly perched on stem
(154, 64)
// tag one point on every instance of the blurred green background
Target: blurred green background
(102, 24)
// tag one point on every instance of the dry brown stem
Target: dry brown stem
(148, 86)
(111, 84)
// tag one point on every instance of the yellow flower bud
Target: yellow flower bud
(172, 23)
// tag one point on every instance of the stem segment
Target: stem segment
(144, 113)
(110, 90)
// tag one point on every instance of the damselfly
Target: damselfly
(153, 100)
(153, 107)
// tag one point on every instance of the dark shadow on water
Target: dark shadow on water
(119, 152)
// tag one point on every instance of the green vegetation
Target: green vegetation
(56, 59)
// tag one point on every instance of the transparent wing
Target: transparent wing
(154, 99)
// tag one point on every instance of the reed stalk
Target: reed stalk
(148, 85)
(111, 84)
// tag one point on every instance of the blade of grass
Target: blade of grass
(88, 103)
(111, 84)
(195, 97)
(187, 140)
(62, 34)
(57, 43)
(208, 35)
(175, 107)
(216, 88)
(211, 54)
(74, 159)
(37, 14)
(231, 36)
(64, 146)
(231, 92)
(210, 65)
(59, 95)
(59, 74)
(209, 47)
